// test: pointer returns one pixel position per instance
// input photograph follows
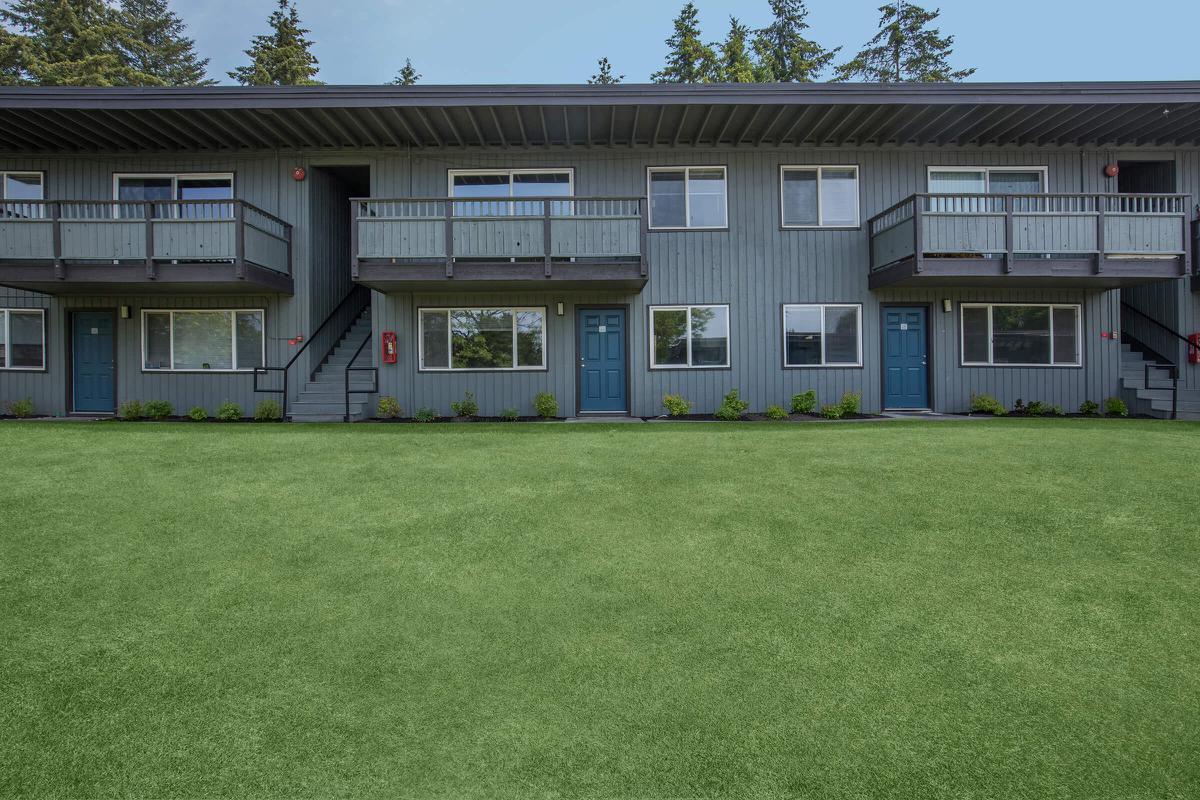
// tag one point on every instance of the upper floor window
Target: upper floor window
(987, 180)
(687, 197)
(1012, 334)
(133, 191)
(689, 336)
(516, 183)
(20, 192)
(22, 338)
(482, 338)
(822, 335)
(819, 197)
(203, 340)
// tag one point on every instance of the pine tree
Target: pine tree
(904, 50)
(735, 64)
(12, 58)
(604, 74)
(407, 75)
(281, 57)
(67, 43)
(157, 44)
(689, 60)
(784, 55)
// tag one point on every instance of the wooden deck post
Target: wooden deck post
(643, 233)
(1101, 200)
(918, 248)
(56, 240)
(1008, 233)
(239, 239)
(449, 238)
(546, 236)
(149, 222)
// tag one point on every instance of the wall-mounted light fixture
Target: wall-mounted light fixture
(559, 307)
(947, 306)
(126, 312)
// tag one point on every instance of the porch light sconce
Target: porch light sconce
(947, 306)
(125, 312)
(559, 307)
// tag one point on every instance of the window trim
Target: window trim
(688, 327)
(452, 173)
(4, 175)
(987, 174)
(991, 364)
(174, 176)
(6, 325)
(820, 168)
(233, 312)
(450, 369)
(823, 365)
(687, 200)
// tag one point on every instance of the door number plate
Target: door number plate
(903, 326)
(603, 329)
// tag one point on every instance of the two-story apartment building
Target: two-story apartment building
(607, 244)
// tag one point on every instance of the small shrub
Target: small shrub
(131, 409)
(467, 407)
(21, 408)
(546, 405)
(1057, 410)
(158, 409)
(1089, 408)
(1115, 407)
(229, 412)
(510, 415)
(425, 414)
(198, 414)
(268, 411)
(776, 412)
(986, 404)
(732, 407)
(389, 408)
(832, 411)
(805, 403)
(1019, 406)
(1037, 408)
(676, 405)
(850, 403)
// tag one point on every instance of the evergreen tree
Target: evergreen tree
(407, 75)
(735, 64)
(157, 45)
(784, 55)
(67, 43)
(12, 58)
(281, 57)
(689, 60)
(904, 50)
(604, 75)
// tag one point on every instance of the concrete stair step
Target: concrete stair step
(338, 385)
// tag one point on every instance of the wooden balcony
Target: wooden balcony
(160, 246)
(1096, 241)
(480, 244)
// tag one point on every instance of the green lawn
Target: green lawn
(995, 609)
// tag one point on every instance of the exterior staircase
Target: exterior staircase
(323, 399)
(1153, 399)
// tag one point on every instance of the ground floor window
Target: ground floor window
(827, 335)
(203, 340)
(482, 338)
(689, 337)
(1013, 334)
(22, 338)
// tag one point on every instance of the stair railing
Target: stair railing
(1170, 366)
(351, 368)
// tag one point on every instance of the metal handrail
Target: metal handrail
(1155, 322)
(351, 368)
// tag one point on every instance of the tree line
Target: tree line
(145, 43)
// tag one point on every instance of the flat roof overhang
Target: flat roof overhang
(224, 118)
(109, 279)
(1033, 273)
(499, 276)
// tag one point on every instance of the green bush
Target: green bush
(676, 406)
(229, 411)
(510, 415)
(732, 407)
(1115, 407)
(389, 408)
(546, 405)
(158, 409)
(425, 414)
(1089, 408)
(268, 411)
(198, 414)
(131, 409)
(1057, 410)
(986, 404)
(1037, 408)
(776, 412)
(805, 403)
(850, 403)
(832, 411)
(21, 408)
(467, 407)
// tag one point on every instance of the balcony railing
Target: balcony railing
(399, 243)
(1100, 240)
(72, 245)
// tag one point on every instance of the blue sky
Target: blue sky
(558, 41)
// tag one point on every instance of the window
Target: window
(987, 180)
(22, 338)
(134, 190)
(214, 340)
(482, 338)
(819, 197)
(517, 183)
(687, 197)
(822, 336)
(20, 191)
(1008, 334)
(687, 337)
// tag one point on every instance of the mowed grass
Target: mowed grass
(908, 610)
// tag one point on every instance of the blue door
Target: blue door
(905, 358)
(602, 368)
(93, 361)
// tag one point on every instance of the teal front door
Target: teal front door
(603, 372)
(905, 358)
(93, 362)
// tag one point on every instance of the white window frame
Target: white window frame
(687, 198)
(823, 306)
(991, 362)
(453, 173)
(987, 174)
(233, 312)
(6, 325)
(22, 173)
(514, 310)
(175, 177)
(688, 327)
(820, 169)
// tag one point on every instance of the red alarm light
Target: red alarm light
(1111, 170)
(298, 173)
